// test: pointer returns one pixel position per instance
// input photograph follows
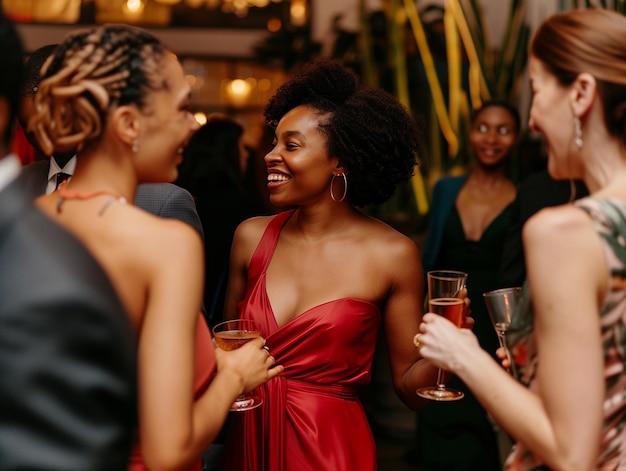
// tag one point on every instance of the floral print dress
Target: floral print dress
(609, 218)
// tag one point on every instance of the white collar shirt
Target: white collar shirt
(54, 169)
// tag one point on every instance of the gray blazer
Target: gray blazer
(161, 199)
(169, 201)
(67, 349)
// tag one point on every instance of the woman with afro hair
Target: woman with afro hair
(323, 277)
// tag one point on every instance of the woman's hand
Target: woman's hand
(468, 321)
(501, 354)
(441, 342)
(252, 362)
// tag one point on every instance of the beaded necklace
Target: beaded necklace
(66, 194)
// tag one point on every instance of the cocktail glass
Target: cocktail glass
(444, 288)
(230, 335)
(501, 303)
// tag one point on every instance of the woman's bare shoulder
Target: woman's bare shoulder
(557, 220)
(143, 232)
(553, 235)
(255, 223)
(389, 242)
(253, 228)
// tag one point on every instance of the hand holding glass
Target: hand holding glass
(501, 304)
(230, 335)
(444, 288)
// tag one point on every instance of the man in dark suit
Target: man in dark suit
(161, 199)
(67, 349)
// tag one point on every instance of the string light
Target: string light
(134, 7)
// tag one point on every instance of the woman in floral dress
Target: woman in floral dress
(566, 410)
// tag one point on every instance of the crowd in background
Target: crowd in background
(128, 231)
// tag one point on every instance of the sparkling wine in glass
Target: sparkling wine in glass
(501, 303)
(444, 288)
(230, 335)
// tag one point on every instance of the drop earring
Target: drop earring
(578, 133)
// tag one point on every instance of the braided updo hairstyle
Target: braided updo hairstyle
(89, 72)
(367, 129)
(592, 41)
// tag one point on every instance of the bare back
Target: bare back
(138, 251)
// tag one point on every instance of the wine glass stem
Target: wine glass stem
(506, 350)
(440, 384)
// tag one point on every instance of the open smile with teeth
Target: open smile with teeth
(491, 152)
(277, 177)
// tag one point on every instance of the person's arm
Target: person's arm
(401, 318)
(67, 369)
(174, 428)
(245, 241)
(560, 422)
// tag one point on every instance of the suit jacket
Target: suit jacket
(67, 349)
(161, 199)
(169, 201)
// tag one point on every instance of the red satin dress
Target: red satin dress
(311, 417)
(205, 369)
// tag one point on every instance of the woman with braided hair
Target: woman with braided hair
(323, 277)
(119, 96)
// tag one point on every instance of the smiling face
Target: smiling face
(493, 135)
(166, 124)
(552, 116)
(299, 169)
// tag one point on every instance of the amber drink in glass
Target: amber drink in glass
(444, 290)
(230, 335)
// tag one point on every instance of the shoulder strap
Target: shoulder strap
(258, 263)
(609, 217)
(265, 250)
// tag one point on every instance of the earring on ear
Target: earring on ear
(345, 187)
(135, 147)
(578, 133)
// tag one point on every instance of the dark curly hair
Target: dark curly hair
(367, 129)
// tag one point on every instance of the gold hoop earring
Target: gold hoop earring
(578, 133)
(345, 187)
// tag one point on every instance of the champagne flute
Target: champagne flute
(230, 335)
(444, 287)
(501, 303)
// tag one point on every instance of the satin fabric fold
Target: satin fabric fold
(311, 417)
